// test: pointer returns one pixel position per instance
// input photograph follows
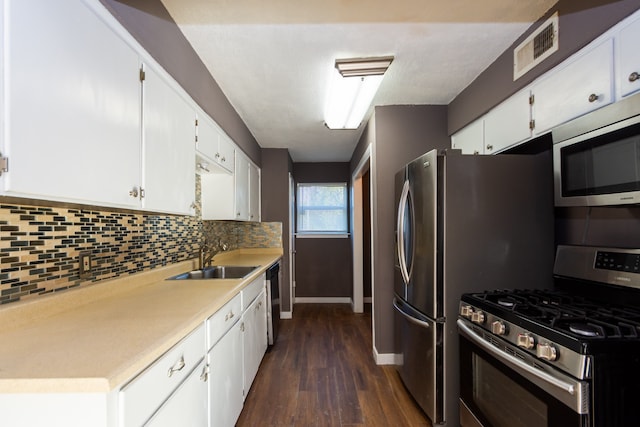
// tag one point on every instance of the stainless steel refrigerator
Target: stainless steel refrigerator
(463, 223)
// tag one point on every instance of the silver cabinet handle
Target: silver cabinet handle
(217, 156)
(178, 366)
(489, 147)
(593, 97)
(634, 76)
(204, 376)
(134, 192)
(242, 326)
(229, 316)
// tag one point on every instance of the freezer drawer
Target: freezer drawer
(421, 365)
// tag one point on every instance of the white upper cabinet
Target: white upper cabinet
(254, 192)
(214, 144)
(242, 187)
(628, 59)
(71, 110)
(470, 139)
(168, 141)
(508, 123)
(583, 84)
(80, 123)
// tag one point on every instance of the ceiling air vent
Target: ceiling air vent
(536, 48)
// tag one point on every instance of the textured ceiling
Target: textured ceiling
(272, 59)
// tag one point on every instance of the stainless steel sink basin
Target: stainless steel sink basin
(217, 272)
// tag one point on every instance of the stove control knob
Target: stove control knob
(466, 311)
(525, 340)
(498, 328)
(478, 317)
(547, 352)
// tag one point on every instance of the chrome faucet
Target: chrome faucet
(207, 252)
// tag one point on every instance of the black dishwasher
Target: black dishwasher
(273, 302)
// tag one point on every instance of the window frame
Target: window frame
(322, 233)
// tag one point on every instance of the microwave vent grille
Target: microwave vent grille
(536, 48)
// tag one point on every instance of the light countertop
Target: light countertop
(97, 337)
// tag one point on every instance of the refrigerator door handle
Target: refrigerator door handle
(408, 316)
(402, 256)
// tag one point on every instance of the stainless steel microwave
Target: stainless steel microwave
(596, 157)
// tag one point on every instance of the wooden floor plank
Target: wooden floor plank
(321, 373)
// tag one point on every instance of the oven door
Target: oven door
(498, 389)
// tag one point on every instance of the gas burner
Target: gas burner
(509, 303)
(586, 330)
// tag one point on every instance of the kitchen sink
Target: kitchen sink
(217, 272)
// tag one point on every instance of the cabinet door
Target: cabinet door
(242, 187)
(187, 406)
(255, 338)
(168, 141)
(225, 379)
(208, 136)
(584, 85)
(508, 123)
(72, 106)
(227, 152)
(470, 139)
(214, 144)
(254, 193)
(628, 60)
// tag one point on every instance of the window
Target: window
(322, 208)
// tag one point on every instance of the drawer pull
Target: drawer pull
(634, 76)
(593, 97)
(204, 376)
(229, 316)
(177, 367)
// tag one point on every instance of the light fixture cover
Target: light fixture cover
(363, 66)
(352, 86)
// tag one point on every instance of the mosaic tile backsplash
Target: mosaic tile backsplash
(39, 246)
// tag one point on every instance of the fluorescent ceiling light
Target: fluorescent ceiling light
(352, 86)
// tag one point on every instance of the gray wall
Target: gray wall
(599, 226)
(152, 26)
(580, 21)
(323, 265)
(276, 165)
(399, 134)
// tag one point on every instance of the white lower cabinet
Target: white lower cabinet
(254, 337)
(146, 393)
(225, 378)
(187, 406)
(201, 381)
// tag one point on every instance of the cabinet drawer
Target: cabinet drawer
(140, 398)
(252, 290)
(222, 320)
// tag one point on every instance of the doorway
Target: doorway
(362, 236)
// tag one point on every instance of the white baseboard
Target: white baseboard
(286, 315)
(385, 358)
(322, 300)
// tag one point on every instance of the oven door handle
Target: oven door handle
(409, 317)
(576, 391)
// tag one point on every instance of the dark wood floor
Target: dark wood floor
(321, 373)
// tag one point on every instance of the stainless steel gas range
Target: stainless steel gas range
(563, 357)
